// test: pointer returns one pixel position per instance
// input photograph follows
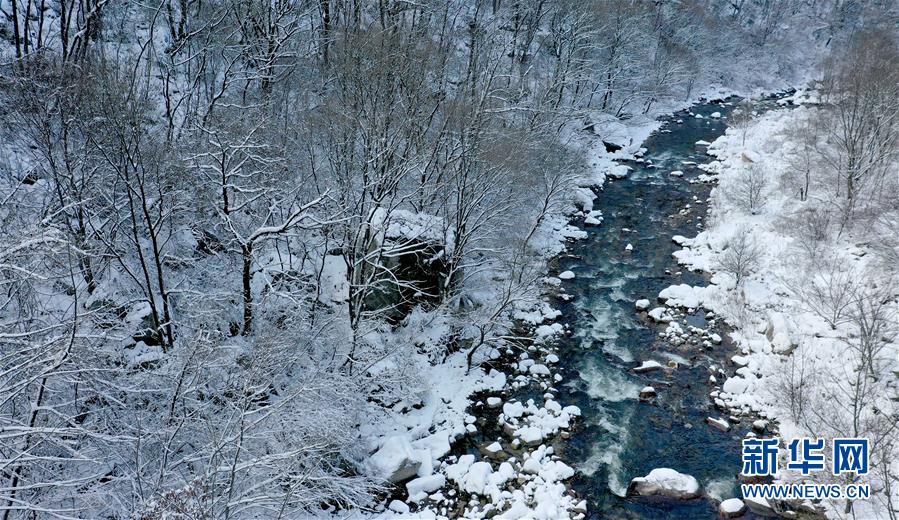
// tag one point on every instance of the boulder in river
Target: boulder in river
(665, 482)
(721, 424)
(660, 315)
(760, 506)
(732, 508)
(648, 366)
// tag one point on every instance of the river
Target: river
(620, 436)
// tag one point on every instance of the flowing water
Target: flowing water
(621, 437)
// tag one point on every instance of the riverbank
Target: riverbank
(809, 284)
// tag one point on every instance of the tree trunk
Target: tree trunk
(247, 252)
(15, 24)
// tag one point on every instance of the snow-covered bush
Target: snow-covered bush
(741, 255)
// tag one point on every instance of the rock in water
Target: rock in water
(760, 506)
(647, 366)
(721, 424)
(732, 508)
(665, 482)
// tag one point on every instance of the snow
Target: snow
(422, 387)
(421, 487)
(665, 482)
(618, 172)
(682, 295)
(539, 370)
(532, 424)
(494, 448)
(660, 314)
(776, 330)
(647, 366)
(731, 508)
(719, 423)
(398, 507)
(477, 477)
(407, 225)
(593, 218)
(759, 506)
(547, 332)
(513, 410)
(395, 461)
(334, 287)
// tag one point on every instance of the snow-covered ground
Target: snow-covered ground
(815, 310)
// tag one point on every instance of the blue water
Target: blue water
(621, 437)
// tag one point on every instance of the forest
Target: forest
(243, 242)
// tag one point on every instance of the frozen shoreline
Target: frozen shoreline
(786, 347)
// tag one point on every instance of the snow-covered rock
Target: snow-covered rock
(395, 461)
(583, 198)
(494, 448)
(721, 424)
(566, 275)
(665, 482)
(759, 506)
(545, 332)
(660, 315)
(682, 295)
(779, 332)
(618, 171)
(398, 507)
(513, 410)
(421, 487)
(538, 370)
(641, 304)
(731, 508)
(647, 366)
(735, 385)
(594, 218)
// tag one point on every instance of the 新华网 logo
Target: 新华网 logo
(846, 456)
